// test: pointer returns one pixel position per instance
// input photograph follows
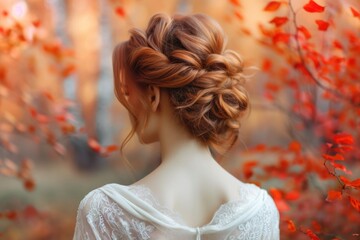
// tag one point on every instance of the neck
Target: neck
(180, 149)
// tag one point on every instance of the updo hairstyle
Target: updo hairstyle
(186, 56)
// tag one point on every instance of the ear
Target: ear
(154, 97)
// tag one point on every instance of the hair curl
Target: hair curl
(186, 56)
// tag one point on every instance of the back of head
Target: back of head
(186, 56)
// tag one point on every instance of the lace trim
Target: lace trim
(101, 218)
(223, 215)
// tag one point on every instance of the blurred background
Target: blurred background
(61, 125)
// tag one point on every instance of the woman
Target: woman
(183, 89)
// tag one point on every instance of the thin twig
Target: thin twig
(306, 67)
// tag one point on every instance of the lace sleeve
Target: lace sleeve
(98, 217)
(264, 225)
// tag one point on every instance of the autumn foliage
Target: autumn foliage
(316, 178)
(314, 80)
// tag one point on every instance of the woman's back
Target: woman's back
(195, 190)
(132, 212)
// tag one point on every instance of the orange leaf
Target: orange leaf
(260, 148)
(333, 195)
(235, 2)
(246, 31)
(120, 11)
(322, 25)
(278, 21)
(355, 12)
(272, 6)
(41, 118)
(36, 23)
(355, 203)
(239, 15)
(94, 145)
(312, 6)
(111, 148)
(48, 95)
(291, 226)
(70, 69)
(272, 87)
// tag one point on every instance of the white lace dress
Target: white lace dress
(117, 211)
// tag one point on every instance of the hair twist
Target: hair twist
(186, 56)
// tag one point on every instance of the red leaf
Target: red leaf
(341, 167)
(295, 146)
(291, 226)
(322, 25)
(343, 138)
(248, 168)
(11, 215)
(355, 183)
(355, 12)
(312, 6)
(30, 212)
(278, 21)
(120, 11)
(355, 203)
(333, 158)
(316, 226)
(293, 195)
(272, 6)
(312, 235)
(33, 112)
(266, 66)
(345, 180)
(29, 184)
(279, 202)
(337, 44)
(281, 37)
(333, 195)
(305, 31)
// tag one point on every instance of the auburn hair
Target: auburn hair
(186, 56)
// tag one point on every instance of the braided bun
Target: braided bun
(186, 56)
